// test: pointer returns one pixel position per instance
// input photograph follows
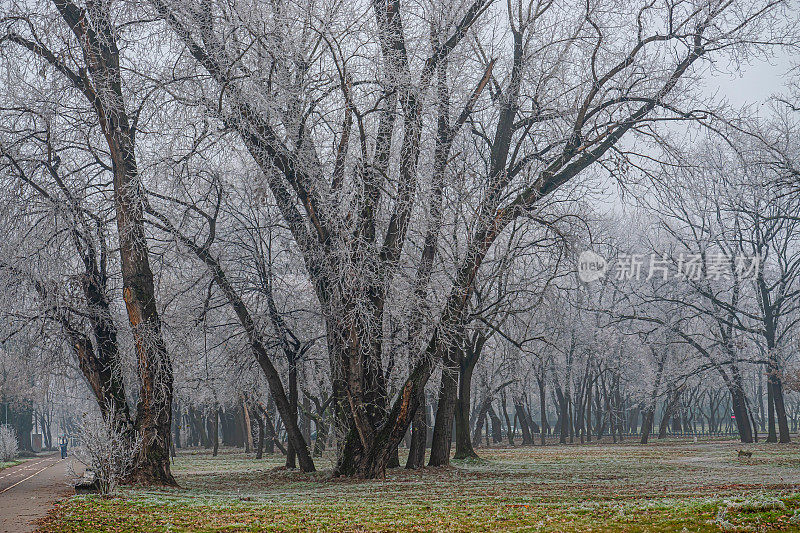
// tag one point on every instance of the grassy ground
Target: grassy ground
(7, 464)
(664, 486)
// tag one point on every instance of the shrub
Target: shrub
(107, 450)
(8, 443)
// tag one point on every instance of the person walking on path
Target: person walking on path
(62, 443)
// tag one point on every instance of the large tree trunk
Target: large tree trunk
(669, 409)
(650, 413)
(739, 404)
(261, 431)
(522, 418)
(154, 410)
(419, 434)
(291, 455)
(543, 406)
(647, 423)
(464, 447)
(776, 405)
(247, 427)
(215, 416)
(497, 426)
(443, 425)
(511, 429)
(563, 417)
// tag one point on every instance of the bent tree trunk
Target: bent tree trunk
(257, 345)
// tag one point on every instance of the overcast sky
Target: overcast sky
(756, 83)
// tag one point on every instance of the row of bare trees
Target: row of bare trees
(374, 190)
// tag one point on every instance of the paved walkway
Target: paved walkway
(28, 491)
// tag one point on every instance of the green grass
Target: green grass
(8, 464)
(665, 486)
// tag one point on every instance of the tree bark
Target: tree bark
(563, 417)
(497, 426)
(215, 413)
(261, 431)
(511, 429)
(464, 449)
(95, 32)
(543, 406)
(650, 413)
(669, 409)
(527, 436)
(739, 404)
(443, 425)
(291, 454)
(247, 427)
(419, 434)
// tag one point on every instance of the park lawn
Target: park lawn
(8, 464)
(664, 486)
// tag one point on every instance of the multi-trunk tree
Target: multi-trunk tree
(378, 130)
(334, 118)
(78, 45)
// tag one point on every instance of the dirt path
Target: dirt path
(27, 491)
